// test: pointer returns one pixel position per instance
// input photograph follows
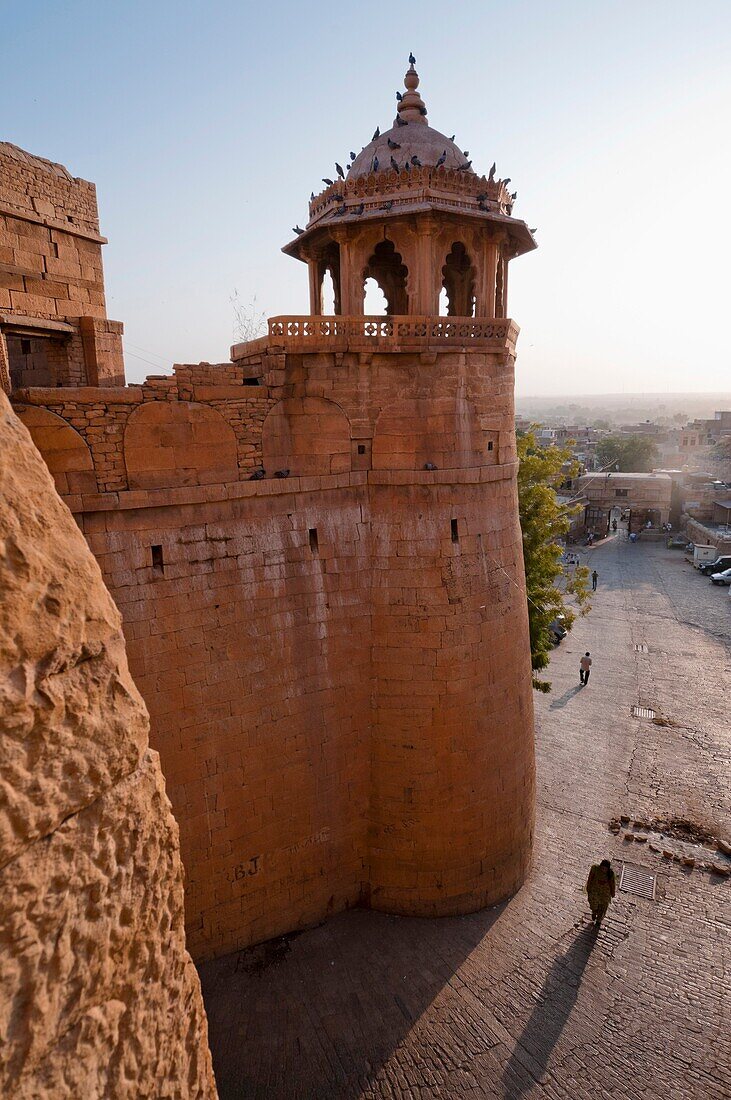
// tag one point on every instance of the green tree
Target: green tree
(630, 453)
(545, 521)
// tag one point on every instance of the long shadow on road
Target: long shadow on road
(567, 696)
(553, 1008)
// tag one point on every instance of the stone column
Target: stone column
(428, 281)
(315, 288)
(486, 304)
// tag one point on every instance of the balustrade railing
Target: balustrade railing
(407, 330)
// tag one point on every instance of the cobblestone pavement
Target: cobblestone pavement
(526, 1000)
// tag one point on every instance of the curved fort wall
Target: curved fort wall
(336, 662)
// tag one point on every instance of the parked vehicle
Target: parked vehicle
(721, 578)
(557, 630)
(717, 566)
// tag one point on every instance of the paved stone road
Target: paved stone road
(525, 1000)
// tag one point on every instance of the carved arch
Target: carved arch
(386, 266)
(62, 448)
(415, 432)
(307, 436)
(458, 280)
(170, 444)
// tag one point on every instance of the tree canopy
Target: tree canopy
(545, 521)
(629, 453)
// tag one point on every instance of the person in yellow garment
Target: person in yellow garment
(601, 887)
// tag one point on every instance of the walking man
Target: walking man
(594, 579)
(585, 668)
(601, 887)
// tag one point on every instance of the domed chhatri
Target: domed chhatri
(412, 213)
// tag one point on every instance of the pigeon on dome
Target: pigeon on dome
(420, 144)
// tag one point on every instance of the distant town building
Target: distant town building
(644, 498)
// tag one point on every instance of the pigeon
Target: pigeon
(325, 180)
(452, 137)
(514, 195)
(337, 198)
(533, 230)
(399, 97)
(339, 170)
(430, 466)
(258, 474)
(341, 210)
(312, 196)
(394, 164)
(505, 182)
(482, 198)
(481, 206)
(412, 59)
(491, 177)
(359, 209)
(377, 134)
(464, 167)
(393, 144)
(352, 155)
(281, 473)
(422, 110)
(466, 152)
(375, 164)
(401, 121)
(297, 230)
(442, 159)
(416, 162)
(386, 205)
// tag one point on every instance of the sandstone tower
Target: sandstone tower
(316, 551)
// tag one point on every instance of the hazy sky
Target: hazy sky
(206, 125)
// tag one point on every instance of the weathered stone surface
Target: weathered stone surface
(99, 996)
(73, 721)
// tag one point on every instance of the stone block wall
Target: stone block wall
(51, 277)
(336, 661)
(99, 996)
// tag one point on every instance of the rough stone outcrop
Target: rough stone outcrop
(98, 996)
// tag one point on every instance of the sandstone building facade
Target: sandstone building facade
(316, 551)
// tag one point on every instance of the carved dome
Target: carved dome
(414, 137)
(416, 140)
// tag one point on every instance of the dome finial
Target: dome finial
(411, 106)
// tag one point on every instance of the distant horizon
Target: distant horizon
(619, 394)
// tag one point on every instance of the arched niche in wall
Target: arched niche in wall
(387, 268)
(458, 281)
(442, 431)
(168, 444)
(64, 451)
(307, 436)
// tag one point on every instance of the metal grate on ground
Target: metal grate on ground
(637, 880)
(643, 712)
(640, 647)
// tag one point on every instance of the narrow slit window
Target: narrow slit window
(25, 347)
(490, 445)
(313, 540)
(455, 530)
(361, 448)
(158, 564)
